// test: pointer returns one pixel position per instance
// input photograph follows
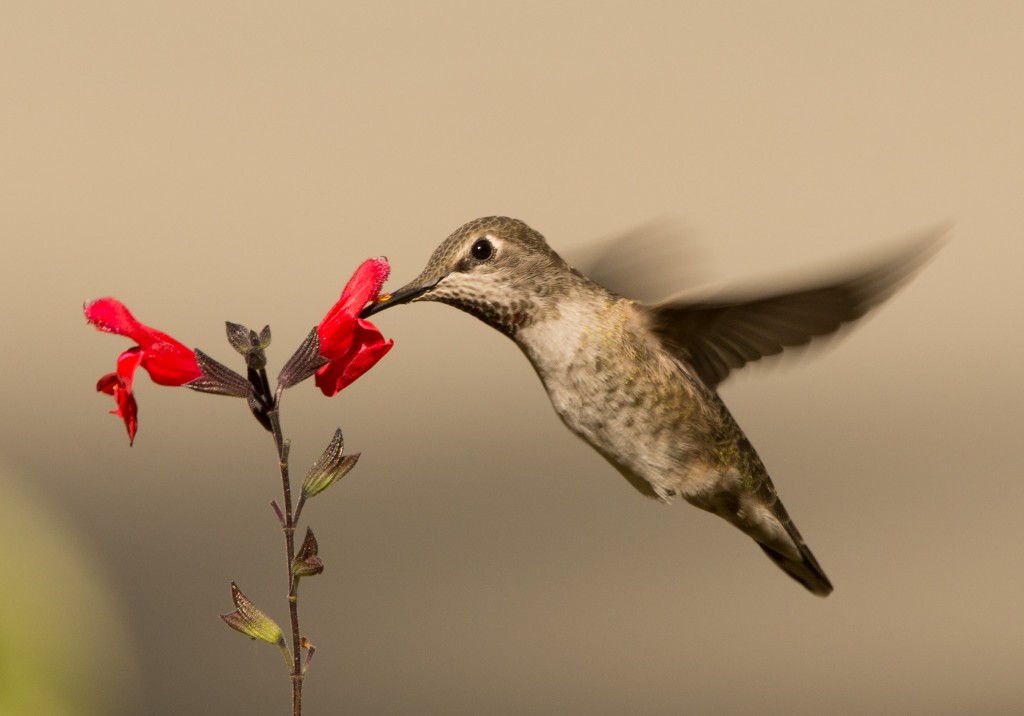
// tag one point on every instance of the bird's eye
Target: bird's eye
(482, 250)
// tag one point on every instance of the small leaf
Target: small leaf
(255, 357)
(251, 621)
(304, 362)
(238, 337)
(218, 379)
(249, 343)
(329, 468)
(310, 650)
(307, 563)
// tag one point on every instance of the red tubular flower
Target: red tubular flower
(167, 361)
(351, 344)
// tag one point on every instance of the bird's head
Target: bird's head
(495, 268)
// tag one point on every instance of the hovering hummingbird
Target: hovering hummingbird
(639, 382)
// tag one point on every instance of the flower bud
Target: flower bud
(250, 621)
(329, 468)
(307, 563)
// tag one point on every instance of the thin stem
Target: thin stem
(289, 540)
(280, 515)
(298, 507)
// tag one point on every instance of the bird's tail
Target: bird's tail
(744, 495)
(800, 563)
(807, 571)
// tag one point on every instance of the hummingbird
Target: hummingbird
(639, 383)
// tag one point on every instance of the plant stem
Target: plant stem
(289, 540)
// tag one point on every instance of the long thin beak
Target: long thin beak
(402, 295)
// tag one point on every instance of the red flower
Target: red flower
(166, 360)
(351, 344)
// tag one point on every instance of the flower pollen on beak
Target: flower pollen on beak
(396, 298)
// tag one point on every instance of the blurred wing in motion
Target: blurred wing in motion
(646, 263)
(719, 335)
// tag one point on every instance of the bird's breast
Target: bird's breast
(613, 385)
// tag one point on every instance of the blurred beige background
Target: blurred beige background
(221, 161)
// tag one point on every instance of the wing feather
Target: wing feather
(722, 334)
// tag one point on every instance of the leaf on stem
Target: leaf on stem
(249, 343)
(310, 650)
(250, 621)
(304, 362)
(265, 337)
(218, 379)
(329, 468)
(307, 562)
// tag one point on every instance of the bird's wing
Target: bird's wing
(645, 263)
(720, 335)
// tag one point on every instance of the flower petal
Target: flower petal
(336, 338)
(127, 363)
(111, 316)
(167, 361)
(367, 347)
(119, 385)
(336, 328)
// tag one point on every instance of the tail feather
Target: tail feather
(742, 493)
(807, 571)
